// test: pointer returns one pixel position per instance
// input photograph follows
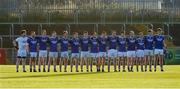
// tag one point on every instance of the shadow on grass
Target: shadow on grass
(52, 75)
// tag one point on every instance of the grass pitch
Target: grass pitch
(168, 79)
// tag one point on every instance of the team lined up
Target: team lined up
(122, 50)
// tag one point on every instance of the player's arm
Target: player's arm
(27, 45)
(15, 43)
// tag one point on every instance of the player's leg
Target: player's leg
(128, 61)
(132, 63)
(39, 64)
(31, 60)
(55, 61)
(44, 64)
(82, 63)
(119, 63)
(72, 63)
(161, 60)
(155, 62)
(24, 63)
(98, 63)
(141, 63)
(124, 63)
(34, 64)
(86, 59)
(146, 62)
(150, 62)
(49, 63)
(30, 63)
(137, 63)
(146, 59)
(77, 62)
(24, 56)
(18, 59)
(91, 62)
(65, 63)
(60, 64)
(115, 62)
(103, 63)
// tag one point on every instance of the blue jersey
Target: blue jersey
(122, 44)
(149, 42)
(53, 42)
(159, 41)
(32, 42)
(112, 42)
(84, 41)
(94, 44)
(140, 43)
(64, 44)
(102, 44)
(43, 42)
(131, 43)
(75, 43)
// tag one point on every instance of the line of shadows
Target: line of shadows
(52, 75)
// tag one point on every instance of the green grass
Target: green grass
(168, 79)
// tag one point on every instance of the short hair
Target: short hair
(150, 30)
(23, 31)
(75, 32)
(85, 32)
(94, 33)
(159, 29)
(104, 32)
(53, 31)
(44, 30)
(32, 32)
(65, 32)
(132, 32)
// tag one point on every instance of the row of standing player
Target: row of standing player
(137, 50)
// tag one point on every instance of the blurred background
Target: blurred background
(91, 16)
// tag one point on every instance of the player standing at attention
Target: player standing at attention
(149, 46)
(21, 45)
(140, 51)
(32, 43)
(43, 39)
(112, 52)
(53, 54)
(131, 53)
(122, 54)
(159, 48)
(102, 50)
(84, 41)
(75, 43)
(94, 51)
(64, 51)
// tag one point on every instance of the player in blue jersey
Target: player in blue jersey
(159, 48)
(149, 49)
(84, 42)
(122, 52)
(64, 42)
(94, 51)
(75, 44)
(32, 43)
(21, 45)
(53, 52)
(42, 40)
(102, 40)
(131, 53)
(140, 51)
(112, 51)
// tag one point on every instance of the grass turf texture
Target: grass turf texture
(168, 79)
